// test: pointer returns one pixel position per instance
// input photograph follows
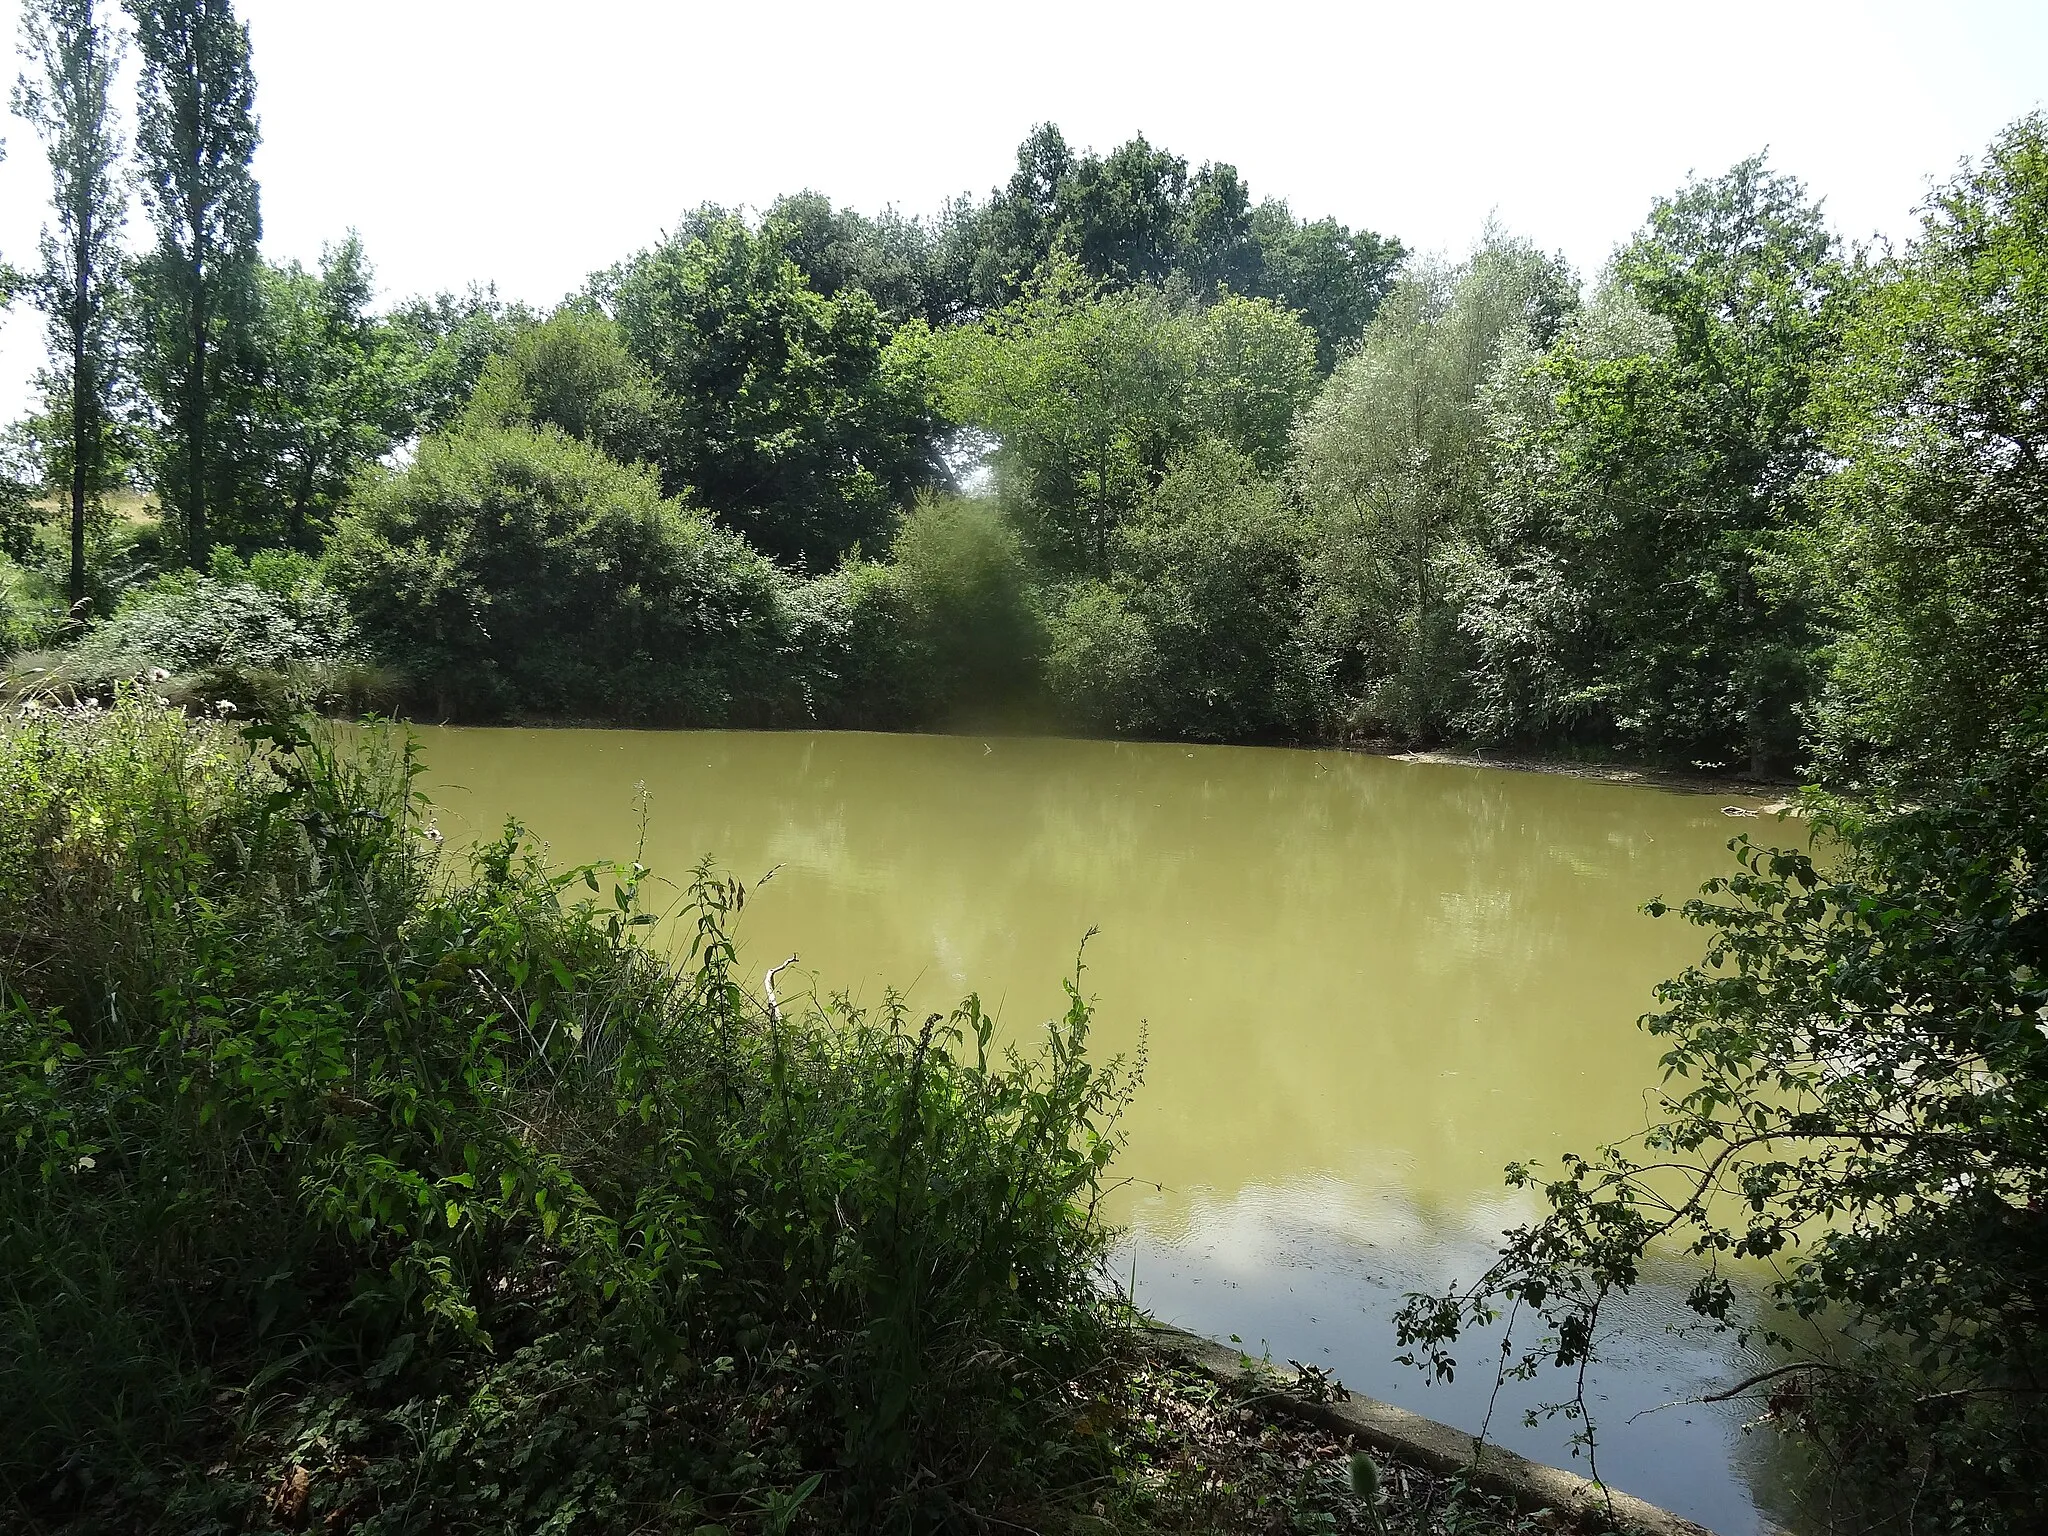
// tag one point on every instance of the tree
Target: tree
(329, 398)
(1086, 396)
(1089, 393)
(1015, 230)
(1135, 216)
(787, 413)
(1393, 462)
(1667, 488)
(1219, 243)
(1192, 636)
(910, 269)
(1333, 276)
(1934, 538)
(573, 371)
(196, 135)
(448, 339)
(1532, 625)
(1252, 370)
(77, 56)
(1122, 215)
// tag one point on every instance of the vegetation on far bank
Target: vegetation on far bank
(1117, 449)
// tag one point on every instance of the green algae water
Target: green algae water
(1360, 986)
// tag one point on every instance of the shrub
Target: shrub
(267, 634)
(573, 372)
(851, 647)
(27, 615)
(1194, 637)
(1101, 666)
(1854, 1098)
(972, 637)
(520, 570)
(339, 1189)
(267, 614)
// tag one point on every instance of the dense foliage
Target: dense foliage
(474, 562)
(1489, 512)
(1191, 635)
(1137, 217)
(340, 1187)
(783, 408)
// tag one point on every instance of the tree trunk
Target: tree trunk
(84, 409)
(84, 430)
(302, 500)
(195, 410)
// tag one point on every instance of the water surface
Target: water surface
(1363, 986)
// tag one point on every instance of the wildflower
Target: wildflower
(224, 706)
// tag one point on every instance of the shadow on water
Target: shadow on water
(1365, 986)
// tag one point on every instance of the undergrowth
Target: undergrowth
(343, 1188)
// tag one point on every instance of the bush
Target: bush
(337, 1189)
(266, 614)
(1101, 665)
(573, 372)
(1194, 636)
(514, 570)
(851, 647)
(945, 629)
(971, 635)
(1855, 1082)
(267, 634)
(27, 615)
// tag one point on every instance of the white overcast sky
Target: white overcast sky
(526, 142)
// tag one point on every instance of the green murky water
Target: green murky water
(1363, 986)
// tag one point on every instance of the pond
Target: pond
(1362, 986)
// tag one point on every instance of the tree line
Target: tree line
(1226, 473)
(1208, 469)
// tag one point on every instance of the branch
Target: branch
(1771, 1375)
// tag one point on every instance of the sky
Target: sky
(529, 142)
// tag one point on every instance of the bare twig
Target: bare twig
(1771, 1375)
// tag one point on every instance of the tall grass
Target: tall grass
(341, 1186)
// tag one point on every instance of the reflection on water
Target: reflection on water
(1365, 986)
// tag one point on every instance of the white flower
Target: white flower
(224, 706)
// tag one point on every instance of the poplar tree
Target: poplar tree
(196, 135)
(75, 56)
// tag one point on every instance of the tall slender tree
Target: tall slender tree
(196, 135)
(74, 55)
